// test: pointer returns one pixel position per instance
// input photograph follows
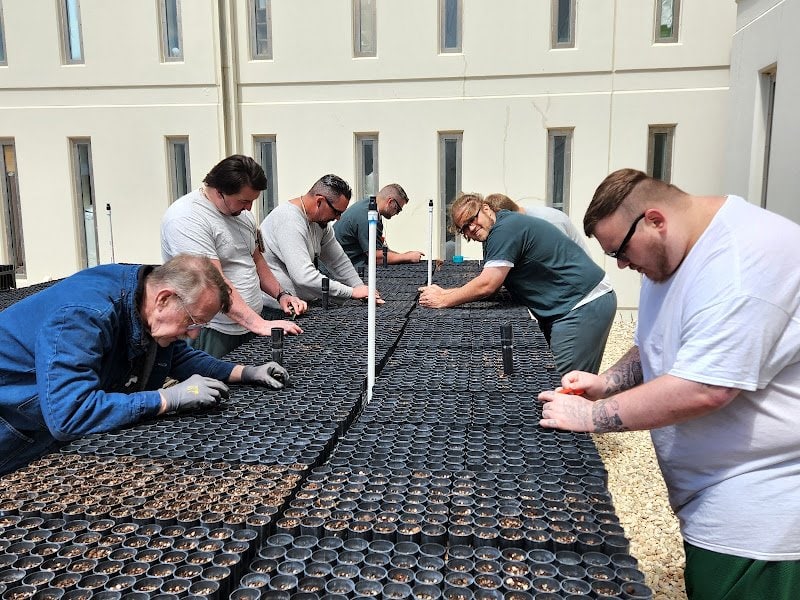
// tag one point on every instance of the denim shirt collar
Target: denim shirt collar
(133, 294)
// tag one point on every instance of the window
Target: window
(85, 202)
(171, 44)
(3, 60)
(266, 156)
(659, 151)
(12, 212)
(559, 167)
(180, 179)
(768, 81)
(367, 164)
(563, 24)
(667, 19)
(364, 28)
(260, 29)
(449, 188)
(450, 25)
(71, 41)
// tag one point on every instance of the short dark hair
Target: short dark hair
(637, 187)
(394, 189)
(231, 174)
(191, 276)
(331, 185)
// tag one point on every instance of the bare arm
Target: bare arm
(272, 287)
(485, 284)
(666, 400)
(397, 258)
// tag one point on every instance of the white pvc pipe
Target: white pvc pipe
(372, 217)
(430, 241)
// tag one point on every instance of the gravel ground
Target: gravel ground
(640, 496)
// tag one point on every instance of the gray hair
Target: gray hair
(190, 276)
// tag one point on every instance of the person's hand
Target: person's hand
(192, 394)
(566, 411)
(289, 303)
(432, 296)
(288, 327)
(271, 375)
(361, 292)
(581, 383)
(413, 256)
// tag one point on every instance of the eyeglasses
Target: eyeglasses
(468, 223)
(619, 253)
(335, 210)
(397, 208)
(195, 326)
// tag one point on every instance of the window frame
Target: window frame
(66, 33)
(359, 28)
(3, 55)
(445, 229)
(769, 82)
(254, 42)
(658, 38)
(566, 183)
(555, 14)
(172, 165)
(443, 4)
(361, 175)
(166, 53)
(269, 197)
(652, 131)
(80, 211)
(12, 209)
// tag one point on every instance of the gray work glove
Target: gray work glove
(193, 393)
(271, 375)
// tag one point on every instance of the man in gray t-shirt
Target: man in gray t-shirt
(215, 221)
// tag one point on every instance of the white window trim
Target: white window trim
(651, 131)
(254, 54)
(172, 165)
(554, 14)
(358, 28)
(360, 174)
(272, 184)
(443, 25)
(676, 21)
(567, 132)
(65, 34)
(166, 54)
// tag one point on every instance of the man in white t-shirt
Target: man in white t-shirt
(714, 374)
(215, 221)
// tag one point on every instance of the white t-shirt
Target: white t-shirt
(730, 316)
(193, 225)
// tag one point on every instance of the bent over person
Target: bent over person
(714, 373)
(542, 269)
(89, 354)
(215, 221)
(352, 229)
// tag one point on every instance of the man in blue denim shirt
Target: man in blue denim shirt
(90, 353)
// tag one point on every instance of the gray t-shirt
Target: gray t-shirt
(193, 225)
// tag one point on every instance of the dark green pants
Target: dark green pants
(218, 344)
(714, 576)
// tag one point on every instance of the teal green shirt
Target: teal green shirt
(352, 232)
(549, 272)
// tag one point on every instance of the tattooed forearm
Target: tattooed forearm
(624, 375)
(605, 416)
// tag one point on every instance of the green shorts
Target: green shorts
(714, 576)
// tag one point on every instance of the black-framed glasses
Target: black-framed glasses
(619, 253)
(468, 223)
(195, 325)
(397, 208)
(335, 210)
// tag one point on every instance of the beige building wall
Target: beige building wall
(503, 91)
(765, 169)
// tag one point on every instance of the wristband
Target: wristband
(281, 294)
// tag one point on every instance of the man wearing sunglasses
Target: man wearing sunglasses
(89, 354)
(544, 270)
(352, 230)
(714, 373)
(298, 236)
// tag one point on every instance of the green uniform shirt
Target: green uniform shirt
(549, 272)
(352, 232)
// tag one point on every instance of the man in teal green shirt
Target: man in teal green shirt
(544, 270)
(352, 228)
